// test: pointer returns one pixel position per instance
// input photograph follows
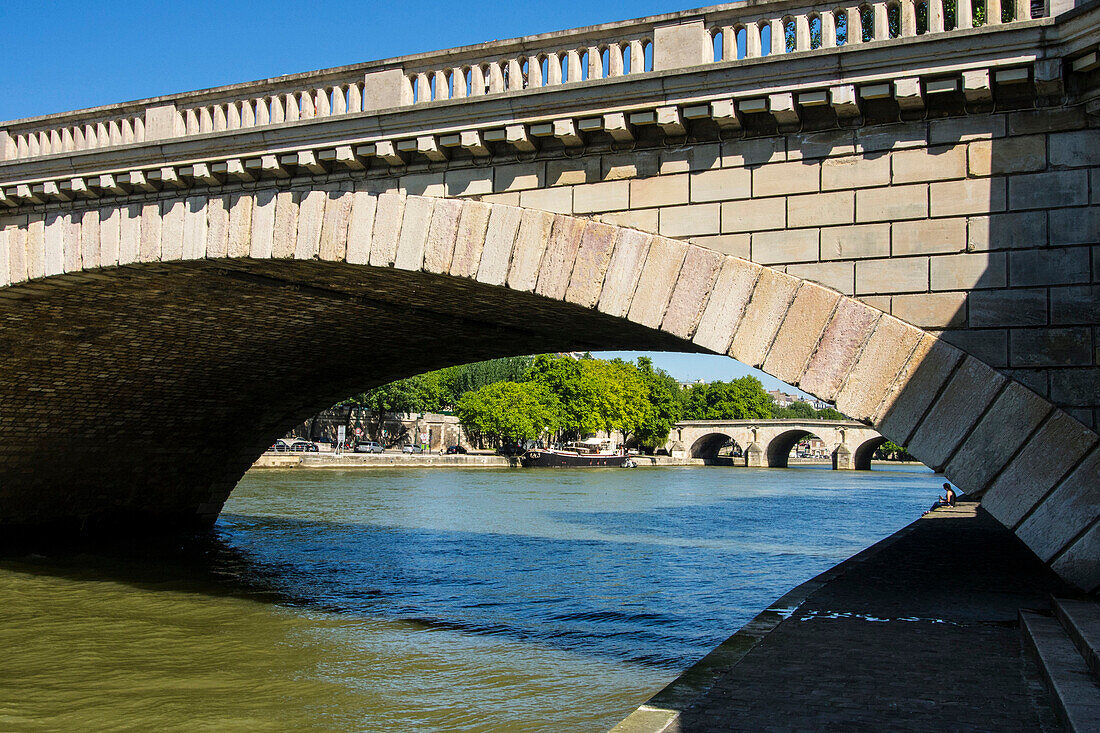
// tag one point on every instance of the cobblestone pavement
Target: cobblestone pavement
(922, 635)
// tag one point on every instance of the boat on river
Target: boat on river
(593, 452)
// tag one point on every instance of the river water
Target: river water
(430, 599)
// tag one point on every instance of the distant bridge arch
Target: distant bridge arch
(768, 443)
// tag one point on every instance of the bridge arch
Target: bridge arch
(709, 446)
(864, 452)
(223, 320)
(779, 449)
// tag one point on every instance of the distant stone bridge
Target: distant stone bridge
(906, 226)
(768, 443)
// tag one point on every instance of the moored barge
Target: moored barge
(594, 452)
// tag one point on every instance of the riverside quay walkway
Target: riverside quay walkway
(893, 206)
(918, 633)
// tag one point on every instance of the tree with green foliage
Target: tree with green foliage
(663, 405)
(509, 412)
(739, 399)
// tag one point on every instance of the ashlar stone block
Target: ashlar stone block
(1078, 563)
(800, 332)
(311, 215)
(110, 231)
(623, 272)
(171, 230)
(839, 276)
(442, 235)
(690, 221)
(530, 244)
(334, 228)
(893, 203)
(53, 238)
(658, 191)
(1043, 462)
(470, 241)
(721, 184)
(952, 417)
(263, 224)
(771, 298)
(500, 236)
(876, 368)
(841, 344)
(654, 289)
(1070, 509)
(414, 232)
(1012, 417)
(928, 164)
(129, 240)
(916, 386)
(89, 242)
(388, 217)
(754, 215)
(777, 179)
(928, 236)
(861, 241)
(149, 243)
(694, 284)
(726, 304)
(597, 242)
(240, 225)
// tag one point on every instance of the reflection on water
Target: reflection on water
(426, 599)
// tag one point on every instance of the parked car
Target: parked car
(369, 446)
(279, 446)
(412, 449)
(453, 449)
(303, 446)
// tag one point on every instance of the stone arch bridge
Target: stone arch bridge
(768, 443)
(905, 226)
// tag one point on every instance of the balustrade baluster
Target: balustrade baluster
(339, 100)
(306, 110)
(458, 83)
(615, 59)
(220, 121)
(248, 113)
(139, 129)
(206, 121)
(423, 88)
(729, 43)
(752, 40)
(78, 138)
(595, 63)
(290, 108)
(802, 32)
(477, 81)
(114, 134)
(33, 148)
(534, 72)
(90, 140)
(935, 16)
(55, 141)
(355, 97)
(515, 75)
(67, 144)
(637, 56)
(993, 12)
(553, 69)
(232, 116)
(779, 36)
(964, 15)
(439, 85)
(908, 17)
(496, 79)
(191, 122)
(102, 135)
(1022, 10)
(828, 30)
(573, 60)
(881, 22)
(321, 105)
(854, 28)
(126, 133)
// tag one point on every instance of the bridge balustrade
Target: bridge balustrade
(585, 55)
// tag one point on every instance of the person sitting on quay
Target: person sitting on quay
(948, 499)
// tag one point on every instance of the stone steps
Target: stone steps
(1061, 644)
(1081, 620)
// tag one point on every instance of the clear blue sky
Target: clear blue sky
(68, 55)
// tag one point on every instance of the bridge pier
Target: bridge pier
(842, 458)
(755, 456)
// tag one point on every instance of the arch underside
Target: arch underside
(150, 351)
(190, 370)
(715, 447)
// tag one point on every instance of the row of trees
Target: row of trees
(526, 398)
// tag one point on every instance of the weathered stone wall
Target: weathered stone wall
(985, 229)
